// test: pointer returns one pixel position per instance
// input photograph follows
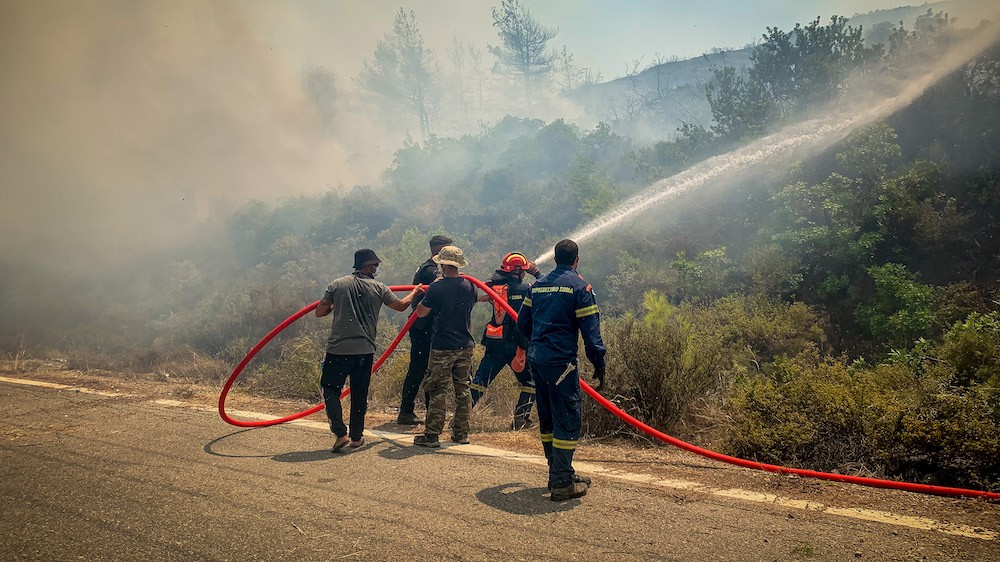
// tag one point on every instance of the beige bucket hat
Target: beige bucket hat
(451, 255)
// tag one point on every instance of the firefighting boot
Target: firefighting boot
(574, 490)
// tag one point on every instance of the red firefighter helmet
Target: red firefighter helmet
(514, 261)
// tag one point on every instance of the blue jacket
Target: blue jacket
(559, 305)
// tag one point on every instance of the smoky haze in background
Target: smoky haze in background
(127, 123)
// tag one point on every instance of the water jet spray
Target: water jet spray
(795, 141)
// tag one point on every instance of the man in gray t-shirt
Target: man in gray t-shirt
(355, 301)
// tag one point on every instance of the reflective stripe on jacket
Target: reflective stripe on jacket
(559, 305)
(501, 336)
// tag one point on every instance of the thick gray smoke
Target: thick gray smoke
(127, 122)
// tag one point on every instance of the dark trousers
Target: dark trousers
(338, 369)
(420, 351)
(489, 368)
(557, 389)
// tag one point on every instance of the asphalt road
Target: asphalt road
(125, 478)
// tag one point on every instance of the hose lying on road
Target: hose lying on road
(607, 404)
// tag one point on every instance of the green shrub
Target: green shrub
(806, 414)
(954, 302)
(707, 276)
(765, 327)
(901, 311)
(676, 357)
(658, 365)
(972, 347)
(950, 437)
(894, 420)
(294, 374)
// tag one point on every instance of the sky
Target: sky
(126, 123)
(643, 28)
(605, 35)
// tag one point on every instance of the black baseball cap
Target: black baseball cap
(439, 240)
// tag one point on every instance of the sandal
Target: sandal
(358, 443)
(340, 443)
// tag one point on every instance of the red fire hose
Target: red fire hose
(607, 404)
(270, 335)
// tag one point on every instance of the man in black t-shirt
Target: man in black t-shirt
(451, 299)
(420, 338)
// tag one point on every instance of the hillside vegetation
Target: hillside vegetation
(844, 316)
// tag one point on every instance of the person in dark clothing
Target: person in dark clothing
(420, 338)
(503, 342)
(451, 299)
(560, 306)
(355, 301)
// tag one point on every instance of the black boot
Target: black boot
(407, 419)
(574, 490)
(521, 423)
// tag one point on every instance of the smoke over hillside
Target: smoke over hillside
(126, 123)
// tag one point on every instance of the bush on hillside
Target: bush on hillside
(658, 366)
(972, 348)
(930, 430)
(663, 363)
(895, 420)
(805, 413)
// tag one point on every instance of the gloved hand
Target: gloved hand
(532, 270)
(599, 377)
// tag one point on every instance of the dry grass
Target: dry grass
(191, 365)
(290, 384)
(180, 363)
(15, 360)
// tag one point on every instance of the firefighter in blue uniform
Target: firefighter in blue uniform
(501, 339)
(559, 306)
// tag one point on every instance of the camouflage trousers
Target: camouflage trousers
(448, 366)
